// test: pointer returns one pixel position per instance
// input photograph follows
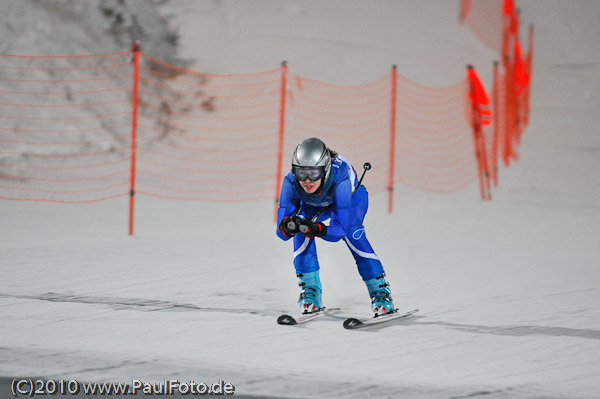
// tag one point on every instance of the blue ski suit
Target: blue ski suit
(346, 210)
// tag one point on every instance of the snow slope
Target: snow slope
(508, 289)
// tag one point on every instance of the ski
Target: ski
(353, 323)
(285, 319)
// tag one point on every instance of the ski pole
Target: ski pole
(366, 166)
(303, 228)
(291, 225)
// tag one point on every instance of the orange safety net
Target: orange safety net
(497, 24)
(435, 138)
(481, 118)
(352, 120)
(206, 137)
(484, 18)
(514, 88)
(90, 128)
(411, 134)
(65, 127)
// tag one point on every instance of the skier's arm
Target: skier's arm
(340, 217)
(288, 204)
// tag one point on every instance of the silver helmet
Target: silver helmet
(311, 153)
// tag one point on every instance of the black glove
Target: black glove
(312, 229)
(290, 226)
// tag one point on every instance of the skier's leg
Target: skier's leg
(305, 254)
(368, 263)
(307, 271)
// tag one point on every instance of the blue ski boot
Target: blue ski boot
(310, 296)
(381, 296)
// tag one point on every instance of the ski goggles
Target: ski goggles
(312, 173)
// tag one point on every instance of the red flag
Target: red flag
(479, 97)
(521, 73)
(511, 11)
(509, 7)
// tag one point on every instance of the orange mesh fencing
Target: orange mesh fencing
(352, 120)
(206, 137)
(514, 85)
(90, 128)
(415, 135)
(484, 18)
(65, 127)
(435, 139)
(497, 24)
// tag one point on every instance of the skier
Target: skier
(324, 184)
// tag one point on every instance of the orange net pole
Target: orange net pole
(497, 24)
(477, 141)
(282, 97)
(134, 123)
(394, 97)
(480, 116)
(510, 153)
(529, 64)
(496, 116)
